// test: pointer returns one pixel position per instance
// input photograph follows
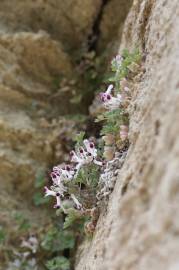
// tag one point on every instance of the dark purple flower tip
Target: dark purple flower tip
(53, 175)
(89, 154)
(81, 150)
(91, 145)
(57, 194)
(68, 168)
(56, 206)
(108, 97)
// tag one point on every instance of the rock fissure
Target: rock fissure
(94, 36)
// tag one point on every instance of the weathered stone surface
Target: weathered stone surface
(139, 230)
(29, 62)
(112, 22)
(68, 21)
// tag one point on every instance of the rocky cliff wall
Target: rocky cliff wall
(139, 228)
(41, 46)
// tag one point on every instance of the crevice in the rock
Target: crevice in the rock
(95, 32)
(146, 16)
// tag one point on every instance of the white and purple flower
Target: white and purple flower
(109, 101)
(61, 174)
(56, 192)
(85, 155)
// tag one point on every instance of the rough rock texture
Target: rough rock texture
(68, 21)
(139, 230)
(28, 63)
(112, 21)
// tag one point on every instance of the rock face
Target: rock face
(112, 21)
(139, 229)
(68, 21)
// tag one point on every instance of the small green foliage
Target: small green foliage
(121, 71)
(134, 56)
(100, 148)
(72, 216)
(58, 263)
(2, 235)
(112, 119)
(39, 199)
(40, 180)
(79, 138)
(109, 128)
(23, 222)
(58, 240)
(88, 175)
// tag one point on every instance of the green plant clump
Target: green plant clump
(75, 185)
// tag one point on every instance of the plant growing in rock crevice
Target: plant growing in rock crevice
(79, 186)
(71, 182)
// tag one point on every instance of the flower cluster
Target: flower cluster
(100, 180)
(110, 102)
(61, 175)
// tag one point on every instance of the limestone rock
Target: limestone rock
(112, 22)
(68, 21)
(139, 229)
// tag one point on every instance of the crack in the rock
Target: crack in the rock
(95, 31)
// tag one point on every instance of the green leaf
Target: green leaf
(47, 241)
(40, 180)
(71, 217)
(58, 263)
(67, 240)
(2, 235)
(112, 79)
(81, 177)
(24, 226)
(109, 129)
(23, 222)
(58, 240)
(79, 137)
(39, 199)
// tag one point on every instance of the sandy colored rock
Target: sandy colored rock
(139, 229)
(112, 22)
(68, 21)
(29, 62)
